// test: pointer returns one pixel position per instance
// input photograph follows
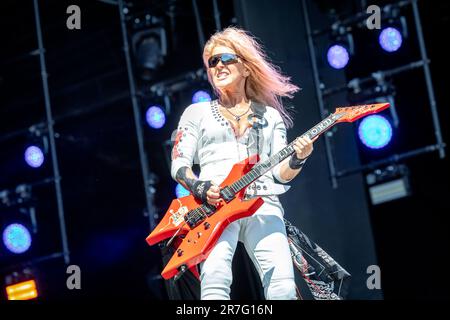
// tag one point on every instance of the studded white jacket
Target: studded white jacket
(206, 138)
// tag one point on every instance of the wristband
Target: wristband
(296, 163)
(200, 188)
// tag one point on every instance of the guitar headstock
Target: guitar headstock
(350, 114)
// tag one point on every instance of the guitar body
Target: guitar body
(195, 244)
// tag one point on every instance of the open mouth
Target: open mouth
(222, 75)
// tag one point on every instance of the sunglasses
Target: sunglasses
(226, 58)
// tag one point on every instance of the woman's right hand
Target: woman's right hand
(213, 195)
(206, 191)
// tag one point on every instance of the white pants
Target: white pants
(264, 237)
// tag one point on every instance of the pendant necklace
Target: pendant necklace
(237, 117)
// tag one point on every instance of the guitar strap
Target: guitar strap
(255, 144)
(257, 121)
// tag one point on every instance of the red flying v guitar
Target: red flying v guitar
(194, 227)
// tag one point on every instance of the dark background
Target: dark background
(98, 156)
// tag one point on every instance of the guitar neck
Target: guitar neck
(262, 167)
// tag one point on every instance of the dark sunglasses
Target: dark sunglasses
(226, 58)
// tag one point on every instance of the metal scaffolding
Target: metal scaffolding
(323, 93)
(56, 177)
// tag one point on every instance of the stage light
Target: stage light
(22, 291)
(338, 56)
(388, 184)
(390, 39)
(150, 48)
(18, 196)
(181, 191)
(34, 156)
(155, 117)
(5, 198)
(375, 131)
(201, 96)
(16, 238)
(23, 193)
(342, 46)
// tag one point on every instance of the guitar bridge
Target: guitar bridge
(196, 216)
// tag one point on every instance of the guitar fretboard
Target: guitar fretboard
(261, 168)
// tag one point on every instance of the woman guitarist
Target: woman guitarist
(248, 117)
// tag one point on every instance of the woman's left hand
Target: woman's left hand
(303, 147)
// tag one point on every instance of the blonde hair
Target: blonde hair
(265, 84)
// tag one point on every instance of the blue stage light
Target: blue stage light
(16, 238)
(201, 96)
(390, 39)
(181, 191)
(375, 131)
(337, 56)
(34, 156)
(155, 117)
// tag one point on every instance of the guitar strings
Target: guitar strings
(245, 180)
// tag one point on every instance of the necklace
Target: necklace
(236, 116)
